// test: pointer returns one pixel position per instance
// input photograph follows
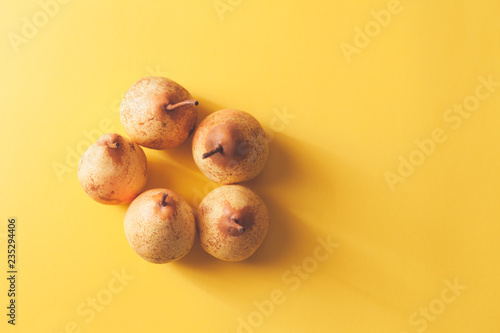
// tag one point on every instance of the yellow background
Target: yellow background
(348, 125)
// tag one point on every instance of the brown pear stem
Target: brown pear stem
(163, 202)
(237, 225)
(215, 150)
(170, 107)
(113, 145)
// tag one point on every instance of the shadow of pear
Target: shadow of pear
(199, 259)
(297, 176)
(207, 107)
(228, 281)
(289, 187)
(288, 183)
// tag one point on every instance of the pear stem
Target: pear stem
(113, 145)
(163, 202)
(170, 107)
(215, 150)
(238, 226)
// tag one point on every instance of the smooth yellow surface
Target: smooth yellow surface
(340, 126)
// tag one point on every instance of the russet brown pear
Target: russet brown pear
(232, 222)
(113, 170)
(230, 146)
(158, 113)
(160, 226)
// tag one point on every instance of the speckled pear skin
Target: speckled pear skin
(219, 235)
(245, 147)
(144, 116)
(160, 226)
(113, 170)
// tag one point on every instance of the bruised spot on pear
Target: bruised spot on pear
(109, 200)
(235, 222)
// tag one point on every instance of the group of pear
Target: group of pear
(229, 146)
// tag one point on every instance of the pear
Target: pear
(232, 222)
(160, 226)
(230, 146)
(158, 113)
(113, 170)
